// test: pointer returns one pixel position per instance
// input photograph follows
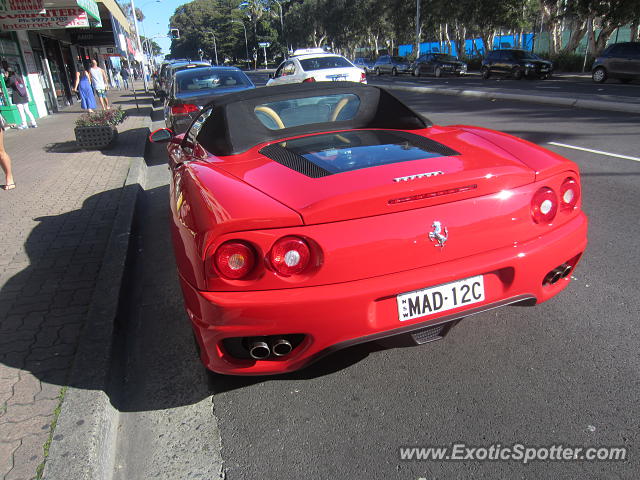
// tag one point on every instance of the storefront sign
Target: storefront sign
(21, 6)
(53, 18)
(91, 7)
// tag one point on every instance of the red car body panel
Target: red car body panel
(369, 241)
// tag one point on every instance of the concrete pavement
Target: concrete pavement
(56, 227)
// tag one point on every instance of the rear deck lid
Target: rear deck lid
(360, 173)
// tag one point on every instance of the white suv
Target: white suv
(315, 65)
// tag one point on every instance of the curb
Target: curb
(83, 443)
(560, 101)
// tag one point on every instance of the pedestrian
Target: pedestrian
(99, 81)
(124, 73)
(84, 88)
(5, 160)
(115, 75)
(20, 97)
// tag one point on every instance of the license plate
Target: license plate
(432, 300)
(337, 78)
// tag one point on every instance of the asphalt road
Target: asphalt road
(564, 372)
(561, 85)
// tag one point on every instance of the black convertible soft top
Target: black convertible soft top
(233, 126)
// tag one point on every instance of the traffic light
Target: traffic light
(174, 34)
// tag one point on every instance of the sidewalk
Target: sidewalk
(55, 228)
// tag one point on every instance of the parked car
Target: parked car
(365, 64)
(166, 77)
(307, 218)
(621, 61)
(315, 65)
(515, 63)
(193, 88)
(438, 64)
(392, 65)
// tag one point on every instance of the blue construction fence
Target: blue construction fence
(500, 41)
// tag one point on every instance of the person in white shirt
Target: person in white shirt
(99, 81)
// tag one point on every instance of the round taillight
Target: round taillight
(290, 256)
(544, 205)
(234, 260)
(569, 193)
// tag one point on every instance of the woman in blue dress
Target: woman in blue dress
(83, 86)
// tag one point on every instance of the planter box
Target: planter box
(97, 137)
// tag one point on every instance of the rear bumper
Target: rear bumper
(340, 315)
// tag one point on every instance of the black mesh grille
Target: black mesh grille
(427, 144)
(294, 161)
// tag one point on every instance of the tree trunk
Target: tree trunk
(633, 32)
(577, 34)
(603, 37)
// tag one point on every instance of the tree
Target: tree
(155, 49)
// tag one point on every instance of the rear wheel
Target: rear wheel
(599, 75)
(377, 72)
(485, 73)
(416, 72)
(394, 72)
(438, 72)
(518, 73)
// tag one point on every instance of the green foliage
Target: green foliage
(111, 117)
(570, 62)
(381, 25)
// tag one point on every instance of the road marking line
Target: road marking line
(600, 152)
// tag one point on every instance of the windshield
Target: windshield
(322, 63)
(309, 110)
(206, 79)
(346, 151)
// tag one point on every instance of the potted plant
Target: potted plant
(97, 130)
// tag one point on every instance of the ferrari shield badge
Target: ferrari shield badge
(437, 234)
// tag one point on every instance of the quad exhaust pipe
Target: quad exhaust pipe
(557, 273)
(263, 348)
(281, 346)
(259, 349)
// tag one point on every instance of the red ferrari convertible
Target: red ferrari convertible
(308, 218)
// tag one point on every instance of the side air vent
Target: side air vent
(280, 154)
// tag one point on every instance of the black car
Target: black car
(166, 74)
(391, 64)
(192, 88)
(620, 60)
(438, 64)
(515, 63)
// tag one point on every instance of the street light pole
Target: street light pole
(135, 28)
(417, 28)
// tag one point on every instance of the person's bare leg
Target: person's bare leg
(5, 163)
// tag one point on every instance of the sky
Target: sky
(156, 22)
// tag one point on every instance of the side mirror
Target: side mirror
(162, 135)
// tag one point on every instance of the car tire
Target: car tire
(485, 73)
(599, 75)
(518, 74)
(416, 72)
(437, 72)
(394, 72)
(377, 72)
